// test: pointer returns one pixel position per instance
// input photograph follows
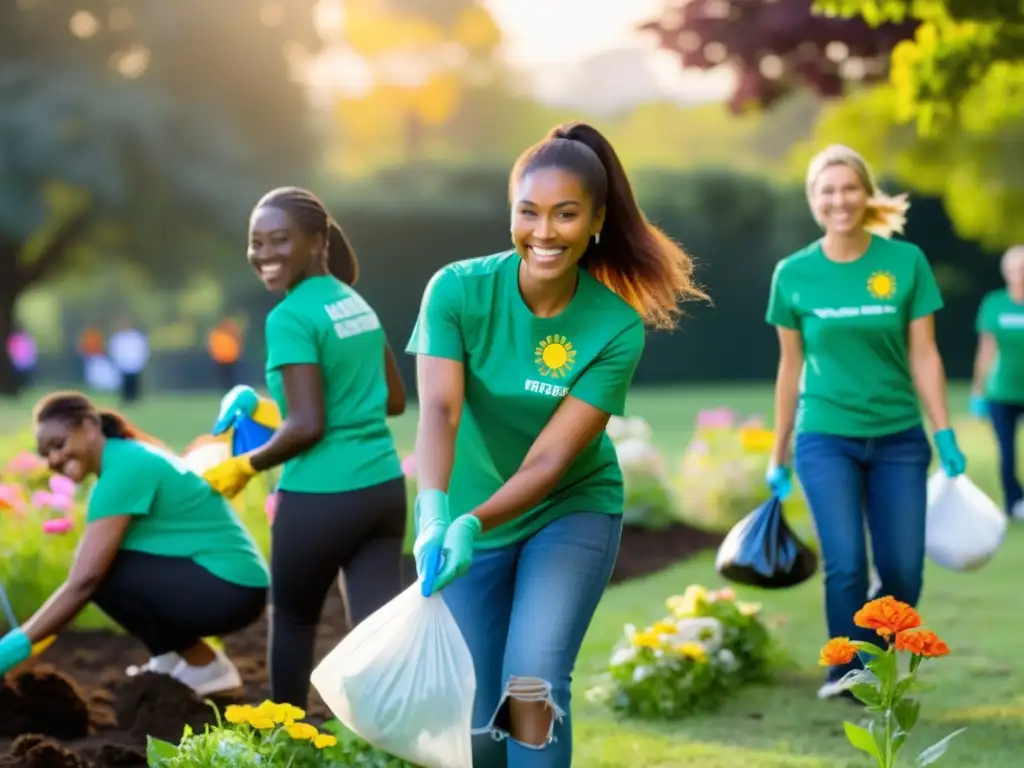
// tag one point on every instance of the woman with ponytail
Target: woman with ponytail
(522, 357)
(341, 497)
(162, 554)
(854, 314)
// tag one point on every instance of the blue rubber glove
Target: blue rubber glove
(780, 480)
(431, 518)
(14, 649)
(457, 551)
(952, 459)
(978, 407)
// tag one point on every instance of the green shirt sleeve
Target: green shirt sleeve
(121, 490)
(606, 381)
(438, 330)
(983, 322)
(290, 340)
(780, 312)
(926, 298)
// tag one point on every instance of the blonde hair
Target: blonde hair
(1013, 253)
(885, 215)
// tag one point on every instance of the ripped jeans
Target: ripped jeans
(524, 610)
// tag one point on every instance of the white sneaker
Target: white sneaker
(219, 676)
(834, 688)
(164, 664)
(1017, 513)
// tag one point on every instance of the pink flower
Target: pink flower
(716, 418)
(409, 465)
(50, 500)
(58, 525)
(62, 486)
(25, 463)
(270, 507)
(41, 500)
(11, 498)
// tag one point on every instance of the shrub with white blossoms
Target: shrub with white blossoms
(650, 501)
(708, 645)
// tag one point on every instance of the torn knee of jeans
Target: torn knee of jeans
(530, 690)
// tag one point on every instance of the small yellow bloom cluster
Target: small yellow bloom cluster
(756, 439)
(696, 597)
(269, 715)
(661, 635)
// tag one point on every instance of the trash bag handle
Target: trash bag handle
(432, 568)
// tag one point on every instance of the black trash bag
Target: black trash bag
(761, 550)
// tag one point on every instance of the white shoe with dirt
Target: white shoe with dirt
(163, 664)
(219, 676)
(1017, 513)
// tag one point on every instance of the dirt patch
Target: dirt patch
(75, 708)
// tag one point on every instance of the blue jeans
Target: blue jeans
(881, 481)
(524, 610)
(1004, 417)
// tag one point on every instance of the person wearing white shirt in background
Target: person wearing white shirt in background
(129, 351)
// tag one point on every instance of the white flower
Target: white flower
(728, 660)
(623, 655)
(707, 631)
(641, 673)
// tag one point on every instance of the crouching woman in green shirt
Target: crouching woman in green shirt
(162, 553)
(522, 357)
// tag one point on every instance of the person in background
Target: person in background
(24, 355)
(854, 315)
(129, 351)
(224, 343)
(341, 501)
(162, 554)
(997, 389)
(522, 357)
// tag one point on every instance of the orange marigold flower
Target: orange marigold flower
(922, 642)
(887, 616)
(837, 651)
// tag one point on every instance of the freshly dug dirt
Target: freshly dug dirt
(74, 707)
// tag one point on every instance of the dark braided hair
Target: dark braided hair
(74, 408)
(312, 217)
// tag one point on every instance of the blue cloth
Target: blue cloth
(886, 478)
(524, 610)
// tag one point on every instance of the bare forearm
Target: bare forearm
(60, 610)
(787, 391)
(287, 443)
(435, 447)
(930, 381)
(527, 488)
(982, 363)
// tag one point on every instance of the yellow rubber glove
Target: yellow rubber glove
(230, 477)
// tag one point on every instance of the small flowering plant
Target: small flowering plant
(883, 686)
(692, 659)
(266, 735)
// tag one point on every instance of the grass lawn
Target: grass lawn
(779, 726)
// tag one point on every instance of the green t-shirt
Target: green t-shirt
(324, 322)
(518, 368)
(175, 513)
(853, 319)
(1001, 316)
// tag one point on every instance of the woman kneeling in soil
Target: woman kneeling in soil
(163, 554)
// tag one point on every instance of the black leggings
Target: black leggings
(316, 535)
(170, 603)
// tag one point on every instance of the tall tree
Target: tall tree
(147, 119)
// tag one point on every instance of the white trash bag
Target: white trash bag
(964, 527)
(403, 680)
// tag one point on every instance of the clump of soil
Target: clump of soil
(34, 751)
(159, 706)
(42, 700)
(645, 551)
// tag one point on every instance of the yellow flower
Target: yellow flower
(261, 722)
(687, 603)
(648, 639)
(749, 609)
(280, 713)
(237, 714)
(756, 439)
(664, 627)
(302, 731)
(324, 740)
(693, 651)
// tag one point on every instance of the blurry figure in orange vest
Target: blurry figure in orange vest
(224, 343)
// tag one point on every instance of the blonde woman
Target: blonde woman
(998, 390)
(853, 312)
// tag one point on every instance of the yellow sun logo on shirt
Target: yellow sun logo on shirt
(882, 285)
(555, 356)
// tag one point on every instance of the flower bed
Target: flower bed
(708, 645)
